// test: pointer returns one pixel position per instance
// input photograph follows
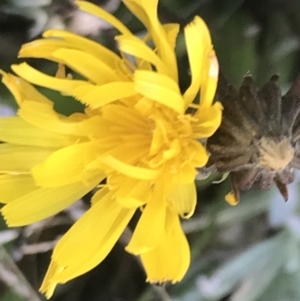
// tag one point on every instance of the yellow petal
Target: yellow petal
(138, 48)
(20, 159)
(170, 260)
(134, 196)
(78, 42)
(146, 11)
(173, 151)
(98, 96)
(92, 237)
(128, 155)
(103, 14)
(194, 156)
(159, 88)
(126, 117)
(159, 137)
(184, 199)
(130, 193)
(95, 126)
(172, 30)
(16, 130)
(131, 202)
(21, 90)
(44, 117)
(209, 88)
(15, 186)
(48, 286)
(39, 78)
(101, 195)
(87, 65)
(198, 45)
(66, 166)
(139, 10)
(130, 170)
(151, 226)
(208, 121)
(60, 39)
(43, 202)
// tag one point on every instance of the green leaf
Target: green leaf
(250, 262)
(255, 283)
(285, 287)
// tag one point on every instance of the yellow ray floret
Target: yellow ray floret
(170, 259)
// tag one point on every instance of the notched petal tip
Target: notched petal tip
(163, 264)
(48, 286)
(48, 290)
(2, 212)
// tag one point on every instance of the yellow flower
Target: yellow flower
(136, 132)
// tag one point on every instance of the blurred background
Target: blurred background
(250, 252)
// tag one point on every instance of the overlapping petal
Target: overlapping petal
(170, 260)
(210, 85)
(184, 199)
(160, 88)
(198, 45)
(92, 95)
(93, 236)
(103, 14)
(137, 48)
(74, 158)
(43, 116)
(146, 11)
(29, 208)
(8, 183)
(208, 120)
(19, 159)
(150, 229)
(41, 79)
(60, 39)
(21, 89)
(16, 131)
(87, 65)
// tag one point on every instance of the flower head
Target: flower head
(136, 133)
(258, 140)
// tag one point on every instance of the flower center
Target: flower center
(275, 155)
(170, 137)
